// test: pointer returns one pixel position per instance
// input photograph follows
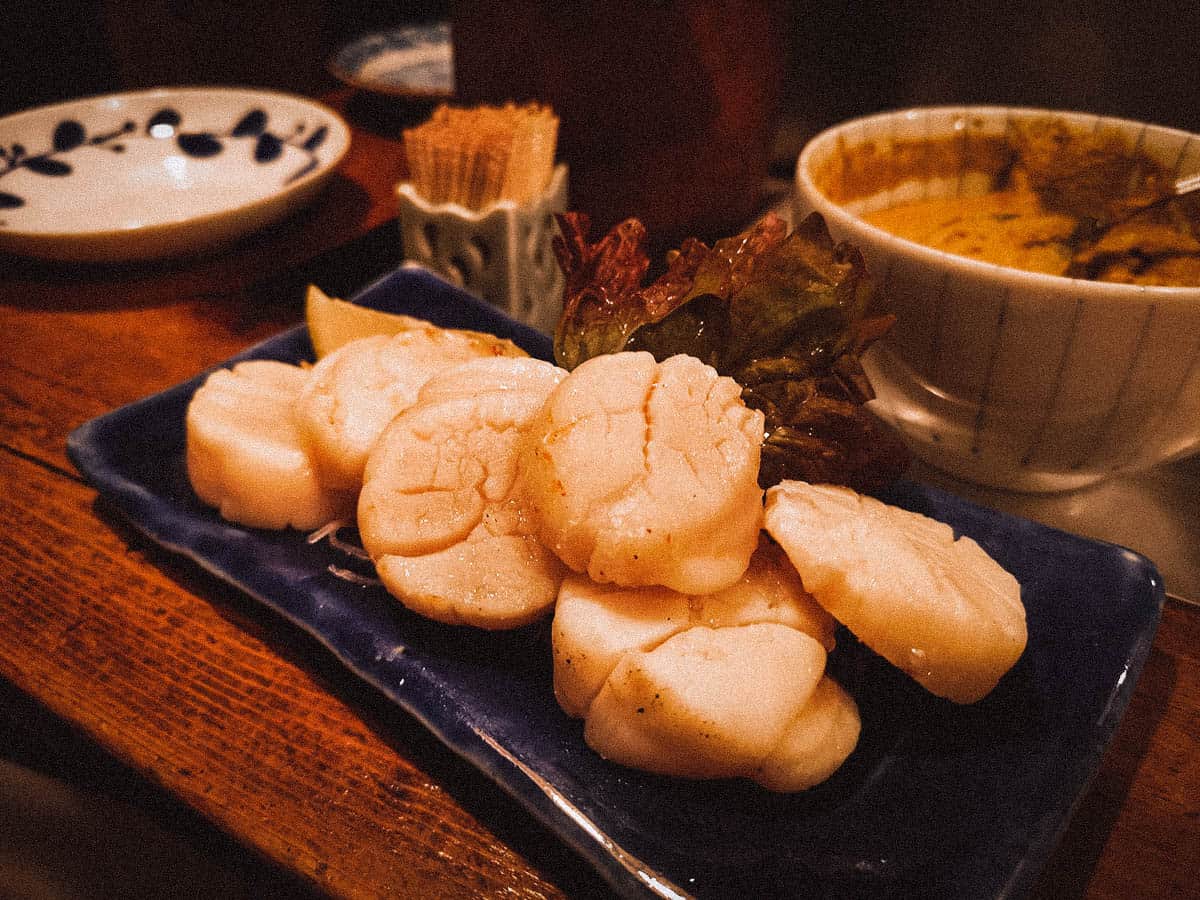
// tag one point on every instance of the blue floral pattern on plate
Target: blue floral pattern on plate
(166, 123)
(937, 800)
(162, 172)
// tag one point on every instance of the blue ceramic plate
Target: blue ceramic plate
(937, 800)
(416, 61)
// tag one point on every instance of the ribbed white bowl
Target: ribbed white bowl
(1008, 378)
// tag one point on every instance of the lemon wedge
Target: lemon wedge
(333, 322)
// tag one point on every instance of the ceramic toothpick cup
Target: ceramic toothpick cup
(502, 254)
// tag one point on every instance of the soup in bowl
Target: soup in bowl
(1048, 333)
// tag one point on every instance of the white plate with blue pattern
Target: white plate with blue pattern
(157, 173)
(416, 61)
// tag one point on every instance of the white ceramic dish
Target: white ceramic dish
(1003, 377)
(416, 61)
(503, 254)
(157, 173)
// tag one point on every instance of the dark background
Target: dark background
(1135, 60)
(1114, 57)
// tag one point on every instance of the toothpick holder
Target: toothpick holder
(502, 254)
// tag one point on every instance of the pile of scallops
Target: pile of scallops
(692, 612)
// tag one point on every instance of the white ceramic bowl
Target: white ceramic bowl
(157, 173)
(1008, 378)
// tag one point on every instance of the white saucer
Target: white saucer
(158, 173)
(416, 61)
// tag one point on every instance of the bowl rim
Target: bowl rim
(1040, 282)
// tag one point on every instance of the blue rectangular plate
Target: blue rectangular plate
(937, 800)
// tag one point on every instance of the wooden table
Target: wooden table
(251, 722)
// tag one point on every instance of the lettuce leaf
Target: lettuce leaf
(788, 316)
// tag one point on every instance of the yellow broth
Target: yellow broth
(1008, 228)
(1050, 185)
(1012, 228)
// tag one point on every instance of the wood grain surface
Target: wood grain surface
(251, 722)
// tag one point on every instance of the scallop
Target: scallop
(936, 606)
(712, 686)
(707, 702)
(645, 473)
(442, 511)
(245, 455)
(596, 625)
(355, 391)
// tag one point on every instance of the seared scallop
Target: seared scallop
(245, 455)
(712, 686)
(596, 625)
(442, 511)
(355, 391)
(936, 606)
(706, 703)
(645, 473)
